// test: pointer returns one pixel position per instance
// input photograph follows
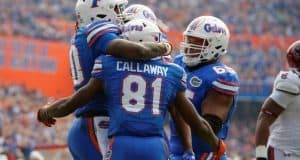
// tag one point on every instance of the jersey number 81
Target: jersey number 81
(134, 93)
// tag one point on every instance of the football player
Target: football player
(98, 34)
(140, 11)
(278, 124)
(211, 85)
(139, 93)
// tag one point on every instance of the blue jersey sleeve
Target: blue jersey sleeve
(101, 44)
(98, 70)
(181, 75)
(227, 82)
(100, 33)
(182, 85)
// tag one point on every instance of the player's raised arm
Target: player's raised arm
(67, 105)
(106, 39)
(134, 50)
(198, 125)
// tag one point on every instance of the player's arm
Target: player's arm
(198, 125)
(183, 130)
(106, 39)
(268, 114)
(67, 105)
(215, 108)
(134, 50)
(285, 93)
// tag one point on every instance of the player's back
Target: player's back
(82, 57)
(139, 93)
(285, 130)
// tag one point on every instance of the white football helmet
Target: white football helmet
(213, 36)
(88, 11)
(139, 11)
(141, 30)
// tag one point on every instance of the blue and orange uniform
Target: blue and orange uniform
(214, 76)
(87, 137)
(139, 94)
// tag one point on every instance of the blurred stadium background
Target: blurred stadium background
(34, 37)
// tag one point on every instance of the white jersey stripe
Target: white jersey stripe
(96, 26)
(225, 87)
(97, 66)
(97, 30)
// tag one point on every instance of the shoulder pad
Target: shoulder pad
(95, 30)
(288, 87)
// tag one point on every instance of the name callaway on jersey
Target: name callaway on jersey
(145, 68)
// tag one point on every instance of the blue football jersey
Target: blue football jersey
(139, 93)
(216, 76)
(87, 44)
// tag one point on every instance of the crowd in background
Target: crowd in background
(20, 132)
(275, 17)
(53, 20)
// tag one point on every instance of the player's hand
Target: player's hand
(221, 150)
(168, 48)
(43, 117)
(188, 155)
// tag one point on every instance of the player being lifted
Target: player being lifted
(98, 34)
(278, 124)
(139, 94)
(211, 85)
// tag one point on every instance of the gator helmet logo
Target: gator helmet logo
(195, 25)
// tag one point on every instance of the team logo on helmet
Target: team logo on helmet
(133, 10)
(213, 28)
(195, 25)
(132, 28)
(148, 15)
(195, 81)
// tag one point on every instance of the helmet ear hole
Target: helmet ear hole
(101, 15)
(218, 47)
(141, 40)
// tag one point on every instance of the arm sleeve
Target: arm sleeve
(98, 70)
(282, 98)
(226, 84)
(100, 34)
(285, 90)
(101, 44)
(181, 86)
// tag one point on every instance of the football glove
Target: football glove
(188, 155)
